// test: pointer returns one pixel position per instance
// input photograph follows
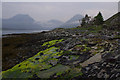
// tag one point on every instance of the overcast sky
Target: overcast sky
(43, 11)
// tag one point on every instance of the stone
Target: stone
(41, 54)
(106, 76)
(87, 68)
(37, 58)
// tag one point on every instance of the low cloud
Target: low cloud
(43, 11)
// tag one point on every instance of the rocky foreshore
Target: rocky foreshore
(83, 52)
(89, 52)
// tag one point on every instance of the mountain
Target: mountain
(113, 22)
(20, 21)
(73, 22)
(51, 24)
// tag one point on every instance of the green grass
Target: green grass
(91, 29)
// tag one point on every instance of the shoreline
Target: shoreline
(79, 48)
(24, 33)
(19, 47)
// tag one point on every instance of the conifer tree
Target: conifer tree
(83, 22)
(87, 18)
(99, 19)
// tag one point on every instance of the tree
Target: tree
(85, 20)
(99, 19)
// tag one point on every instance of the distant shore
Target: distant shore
(9, 33)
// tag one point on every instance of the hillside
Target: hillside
(20, 22)
(73, 53)
(113, 22)
(72, 22)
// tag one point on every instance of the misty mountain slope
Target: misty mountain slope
(51, 24)
(20, 21)
(73, 22)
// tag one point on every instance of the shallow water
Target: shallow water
(20, 31)
(4, 33)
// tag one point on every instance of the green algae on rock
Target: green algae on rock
(53, 42)
(58, 70)
(35, 64)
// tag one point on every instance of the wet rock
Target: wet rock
(35, 76)
(87, 68)
(106, 76)
(103, 69)
(41, 54)
(106, 55)
(111, 60)
(53, 62)
(91, 44)
(37, 58)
